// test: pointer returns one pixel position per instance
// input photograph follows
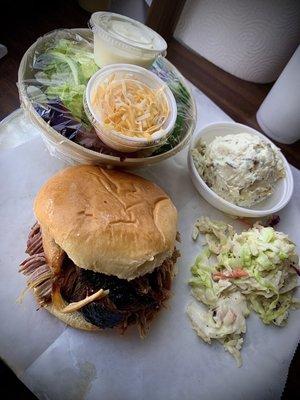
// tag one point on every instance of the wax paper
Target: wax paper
(58, 362)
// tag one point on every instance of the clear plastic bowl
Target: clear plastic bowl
(119, 39)
(114, 139)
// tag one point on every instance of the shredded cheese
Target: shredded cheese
(130, 107)
(79, 304)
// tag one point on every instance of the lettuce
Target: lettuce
(71, 97)
(64, 69)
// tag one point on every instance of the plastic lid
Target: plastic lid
(127, 32)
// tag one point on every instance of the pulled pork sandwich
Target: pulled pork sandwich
(102, 252)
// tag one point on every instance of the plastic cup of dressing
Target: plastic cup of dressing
(119, 39)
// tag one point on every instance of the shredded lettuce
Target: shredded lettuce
(65, 68)
(71, 96)
(239, 273)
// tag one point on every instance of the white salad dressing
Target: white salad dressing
(119, 39)
(131, 33)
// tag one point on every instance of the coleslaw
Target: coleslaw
(239, 273)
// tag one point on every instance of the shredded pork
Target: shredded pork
(122, 303)
(127, 303)
(35, 267)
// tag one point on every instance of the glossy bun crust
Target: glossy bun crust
(108, 221)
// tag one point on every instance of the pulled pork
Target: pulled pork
(128, 302)
(35, 267)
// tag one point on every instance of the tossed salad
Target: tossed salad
(56, 76)
(239, 273)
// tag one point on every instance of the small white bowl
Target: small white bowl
(117, 140)
(283, 189)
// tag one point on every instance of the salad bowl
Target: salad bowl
(55, 104)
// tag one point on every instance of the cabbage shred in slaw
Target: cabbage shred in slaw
(239, 273)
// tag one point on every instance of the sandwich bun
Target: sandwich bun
(107, 221)
(74, 319)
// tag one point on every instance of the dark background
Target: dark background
(21, 23)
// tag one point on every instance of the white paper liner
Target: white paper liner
(56, 362)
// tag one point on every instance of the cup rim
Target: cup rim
(96, 29)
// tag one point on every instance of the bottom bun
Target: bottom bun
(74, 319)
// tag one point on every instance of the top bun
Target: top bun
(108, 221)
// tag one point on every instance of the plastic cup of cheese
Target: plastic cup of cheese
(108, 119)
(119, 39)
